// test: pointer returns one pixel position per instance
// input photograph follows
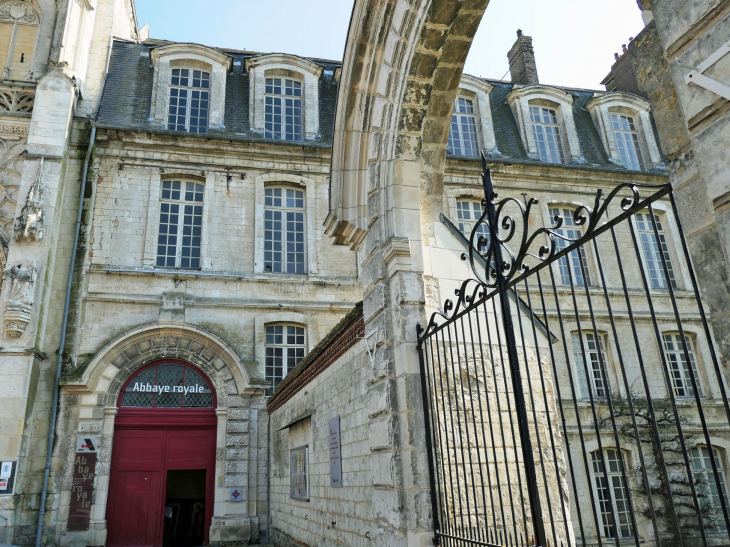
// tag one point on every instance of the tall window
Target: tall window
(284, 230)
(596, 360)
(181, 225)
(708, 487)
(653, 251)
(679, 367)
(571, 263)
(468, 213)
(612, 494)
(627, 141)
(546, 131)
(285, 347)
(463, 135)
(283, 114)
(189, 100)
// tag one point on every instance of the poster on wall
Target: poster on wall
(82, 489)
(7, 477)
(335, 453)
(299, 473)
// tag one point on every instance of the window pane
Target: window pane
(546, 132)
(285, 348)
(574, 266)
(284, 242)
(627, 142)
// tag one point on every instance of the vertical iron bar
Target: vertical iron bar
(512, 428)
(527, 455)
(489, 416)
(532, 403)
(693, 380)
(429, 448)
(629, 397)
(466, 424)
(448, 466)
(649, 402)
(569, 368)
(604, 372)
(590, 389)
(669, 385)
(565, 425)
(481, 415)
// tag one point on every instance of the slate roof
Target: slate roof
(127, 96)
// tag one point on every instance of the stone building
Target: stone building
(167, 222)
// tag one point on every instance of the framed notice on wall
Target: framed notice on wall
(7, 477)
(299, 473)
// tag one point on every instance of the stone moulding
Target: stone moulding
(30, 224)
(20, 283)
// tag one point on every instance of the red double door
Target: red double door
(146, 446)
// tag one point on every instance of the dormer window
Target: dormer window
(546, 132)
(544, 117)
(284, 97)
(189, 100)
(463, 139)
(189, 87)
(284, 110)
(625, 128)
(627, 141)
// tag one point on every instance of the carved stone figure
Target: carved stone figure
(29, 224)
(20, 282)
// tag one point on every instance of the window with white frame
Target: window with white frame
(546, 131)
(463, 140)
(285, 346)
(181, 225)
(574, 266)
(595, 359)
(627, 141)
(653, 249)
(284, 113)
(189, 100)
(612, 494)
(708, 487)
(468, 213)
(679, 366)
(284, 230)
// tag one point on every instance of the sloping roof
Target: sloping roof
(127, 97)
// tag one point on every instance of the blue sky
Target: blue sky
(574, 40)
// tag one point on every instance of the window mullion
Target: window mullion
(180, 225)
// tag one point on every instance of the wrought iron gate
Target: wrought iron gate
(573, 395)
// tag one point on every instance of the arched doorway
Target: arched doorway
(161, 482)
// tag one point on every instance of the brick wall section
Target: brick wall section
(344, 336)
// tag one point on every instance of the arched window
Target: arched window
(710, 487)
(627, 141)
(574, 266)
(189, 100)
(654, 248)
(468, 212)
(285, 347)
(19, 23)
(463, 140)
(682, 369)
(180, 234)
(591, 355)
(170, 384)
(284, 112)
(284, 221)
(547, 134)
(612, 494)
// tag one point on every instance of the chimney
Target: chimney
(522, 67)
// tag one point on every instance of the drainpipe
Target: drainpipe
(59, 362)
(268, 477)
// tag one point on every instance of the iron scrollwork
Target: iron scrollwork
(516, 256)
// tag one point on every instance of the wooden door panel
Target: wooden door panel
(139, 450)
(136, 518)
(190, 449)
